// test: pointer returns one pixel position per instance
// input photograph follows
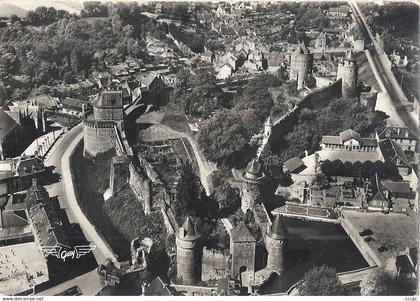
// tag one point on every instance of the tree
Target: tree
(227, 198)
(223, 138)
(191, 199)
(322, 281)
(381, 282)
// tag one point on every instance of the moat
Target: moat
(315, 244)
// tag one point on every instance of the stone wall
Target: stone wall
(98, 136)
(142, 187)
(317, 98)
(215, 265)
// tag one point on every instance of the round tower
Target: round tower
(276, 244)
(301, 63)
(188, 254)
(251, 186)
(349, 76)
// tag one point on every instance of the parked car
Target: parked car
(365, 232)
(368, 239)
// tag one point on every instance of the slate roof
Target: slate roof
(36, 194)
(74, 104)
(188, 230)
(278, 229)
(28, 165)
(254, 167)
(48, 227)
(158, 288)
(395, 132)
(241, 233)
(302, 49)
(350, 56)
(109, 99)
(391, 150)
(7, 124)
(348, 135)
(293, 163)
(397, 186)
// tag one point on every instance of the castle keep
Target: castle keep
(347, 71)
(100, 133)
(301, 63)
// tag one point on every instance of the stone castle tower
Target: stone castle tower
(251, 184)
(99, 133)
(301, 62)
(276, 244)
(188, 254)
(347, 71)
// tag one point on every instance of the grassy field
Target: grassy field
(176, 122)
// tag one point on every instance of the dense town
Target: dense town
(209, 149)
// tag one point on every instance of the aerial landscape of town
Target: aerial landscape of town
(209, 148)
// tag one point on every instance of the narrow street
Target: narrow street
(64, 190)
(395, 101)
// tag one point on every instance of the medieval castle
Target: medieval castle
(301, 62)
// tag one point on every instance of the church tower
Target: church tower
(276, 244)
(188, 254)
(347, 71)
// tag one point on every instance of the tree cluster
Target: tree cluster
(226, 136)
(191, 199)
(45, 16)
(357, 169)
(322, 281)
(381, 282)
(304, 132)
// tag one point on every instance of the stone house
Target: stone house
(391, 151)
(402, 135)
(348, 140)
(225, 71)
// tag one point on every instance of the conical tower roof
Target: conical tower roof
(302, 49)
(277, 229)
(269, 122)
(350, 56)
(187, 230)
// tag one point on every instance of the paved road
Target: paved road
(64, 189)
(384, 79)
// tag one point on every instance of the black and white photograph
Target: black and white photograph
(209, 148)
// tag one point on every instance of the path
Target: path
(60, 158)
